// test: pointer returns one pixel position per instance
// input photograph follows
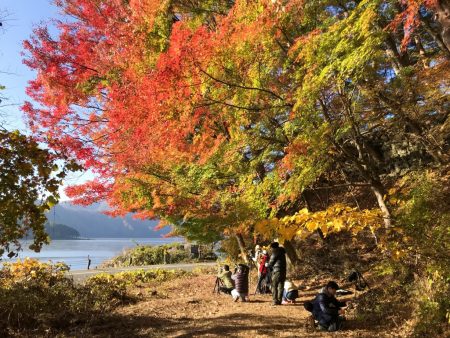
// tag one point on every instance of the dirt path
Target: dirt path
(187, 308)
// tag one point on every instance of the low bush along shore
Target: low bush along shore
(162, 254)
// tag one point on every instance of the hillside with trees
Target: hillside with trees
(61, 231)
(92, 222)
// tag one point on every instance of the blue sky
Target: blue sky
(19, 17)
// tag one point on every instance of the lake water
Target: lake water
(75, 252)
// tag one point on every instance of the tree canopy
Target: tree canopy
(216, 115)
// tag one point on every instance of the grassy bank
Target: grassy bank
(163, 254)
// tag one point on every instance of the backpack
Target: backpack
(308, 305)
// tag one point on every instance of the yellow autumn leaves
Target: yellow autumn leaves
(30, 269)
(336, 218)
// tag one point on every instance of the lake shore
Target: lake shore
(75, 252)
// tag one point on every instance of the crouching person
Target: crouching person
(240, 278)
(327, 310)
(290, 293)
(225, 277)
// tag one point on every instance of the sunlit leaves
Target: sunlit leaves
(336, 218)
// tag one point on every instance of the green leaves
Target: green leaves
(29, 185)
(51, 201)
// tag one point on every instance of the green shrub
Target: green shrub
(433, 307)
(106, 292)
(421, 246)
(150, 255)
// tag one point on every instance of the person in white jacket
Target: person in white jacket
(290, 292)
(258, 253)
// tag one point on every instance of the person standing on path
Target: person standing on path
(263, 271)
(258, 254)
(277, 265)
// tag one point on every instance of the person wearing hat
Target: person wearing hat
(327, 309)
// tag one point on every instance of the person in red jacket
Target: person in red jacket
(263, 280)
(262, 263)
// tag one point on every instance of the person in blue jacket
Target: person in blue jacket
(327, 310)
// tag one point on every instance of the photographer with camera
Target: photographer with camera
(225, 277)
(240, 278)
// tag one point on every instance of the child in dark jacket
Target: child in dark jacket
(327, 309)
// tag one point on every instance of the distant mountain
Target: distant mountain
(61, 231)
(90, 222)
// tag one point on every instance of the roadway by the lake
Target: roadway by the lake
(81, 275)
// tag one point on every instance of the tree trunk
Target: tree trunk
(394, 54)
(366, 169)
(437, 37)
(291, 254)
(443, 17)
(378, 191)
(242, 248)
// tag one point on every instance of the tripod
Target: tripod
(260, 281)
(217, 285)
(264, 284)
(357, 278)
